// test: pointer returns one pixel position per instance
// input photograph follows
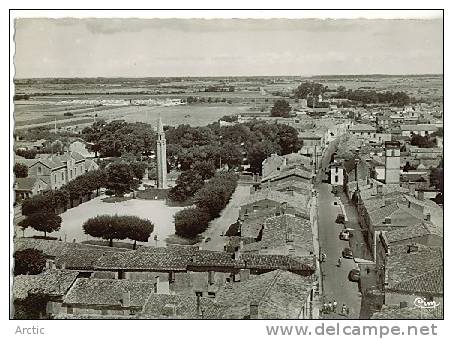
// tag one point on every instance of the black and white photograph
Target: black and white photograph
(227, 166)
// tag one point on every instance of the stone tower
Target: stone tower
(392, 162)
(161, 156)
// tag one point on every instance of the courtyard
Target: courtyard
(156, 211)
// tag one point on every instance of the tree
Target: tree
(436, 179)
(281, 108)
(46, 222)
(38, 203)
(191, 221)
(216, 193)
(288, 139)
(120, 178)
(205, 169)
(33, 307)
(187, 184)
(421, 141)
(307, 88)
(137, 229)
(29, 261)
(258, 152)
(20, 170)
(138, 168)
(27, 154)
(110, 227)
(407, 167)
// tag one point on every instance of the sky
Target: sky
(102, 47)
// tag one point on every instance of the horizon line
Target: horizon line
(227, 76)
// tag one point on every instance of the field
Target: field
(110, 99)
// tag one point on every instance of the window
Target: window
(55, 177)
(69, 310)
(62, 176)
(336, 178)
(39, 170)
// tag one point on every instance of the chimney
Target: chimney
(169, 310)
(412, 189)
(211, 279)
(171, 277)
(428, 217)
(403, 304)
(199, 311)
(126, 299)
(253, 310)
(388, 220)
(421, 195)
(411, 248)
(388, 202)
(156, 285)
(244, 274)
(379, 190)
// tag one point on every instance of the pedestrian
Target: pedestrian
(343, 309)
(330, 306)
(334, 306)
(324, 308)
(339, 262)
(347, 311)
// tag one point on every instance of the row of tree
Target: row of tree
(41, 210)
(209, 201)
(229, 145)
(122, 227)
(119, 137)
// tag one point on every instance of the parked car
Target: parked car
(344, 235)
(347, 253)
(340, 219)
(354, 275)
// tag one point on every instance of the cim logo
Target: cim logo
(423, 303)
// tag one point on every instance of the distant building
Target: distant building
(420, 129)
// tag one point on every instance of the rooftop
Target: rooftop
(108, 292)
(52, 282)
(278, 294)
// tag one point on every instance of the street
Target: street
(228, 216)
(336, 285)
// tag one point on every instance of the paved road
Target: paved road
(336, 284)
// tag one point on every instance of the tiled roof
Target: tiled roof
(51, 282)
(279, 295)
(431, 282)
(362, 128)
(212, 258)
(55, 248)
(150, 259)
(253, 222)
(295, 200)
(395, 312)
(161, 306)
(300, 172)
(108, 292)
(285, 230)
(402, 266)
(399, 214)
(25, 184)
(419, 127)
(375, 202)
(415, 231)
(278, 261)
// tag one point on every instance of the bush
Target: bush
(29, 261)
(44, 221)
(110, 227)
(191, 221)
(340, 219)
(20, 170)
